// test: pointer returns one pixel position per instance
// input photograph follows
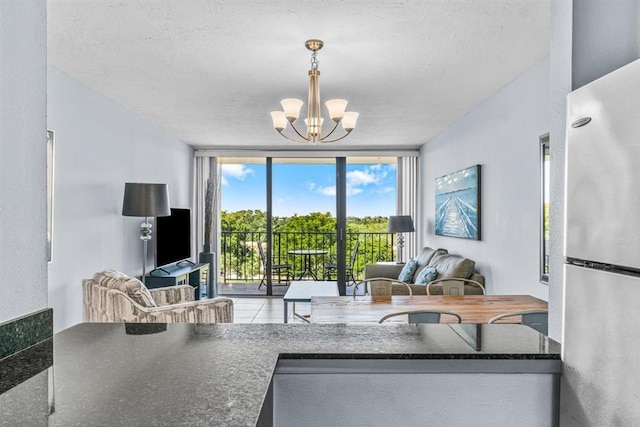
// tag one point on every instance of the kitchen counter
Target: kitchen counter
(189, 374)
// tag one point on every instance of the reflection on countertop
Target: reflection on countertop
(191, 374)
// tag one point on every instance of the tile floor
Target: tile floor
(265, 310)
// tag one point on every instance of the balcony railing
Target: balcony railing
(240, 257)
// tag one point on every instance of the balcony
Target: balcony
(242, 271)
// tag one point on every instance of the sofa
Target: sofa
(447, 266)
(112, 296)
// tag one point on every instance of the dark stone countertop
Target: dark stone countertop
(189, 374)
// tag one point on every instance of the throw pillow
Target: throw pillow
(408, 271)
(426, 275)
(131, 286)
(139, 293)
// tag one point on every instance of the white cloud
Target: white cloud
(360, 177)
(331, 191)
(237, 171)
(282, 200)
(385, 190)
(327, 191)
(356, 180)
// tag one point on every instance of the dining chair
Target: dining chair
(422, 316)
(454, 286)
(331, 267)
(276, 269)
(536, 319)
(380, 286)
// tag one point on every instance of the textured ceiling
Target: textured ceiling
(209, 72)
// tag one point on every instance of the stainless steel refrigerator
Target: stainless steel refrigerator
(601, 341)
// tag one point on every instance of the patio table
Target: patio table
(307, 253)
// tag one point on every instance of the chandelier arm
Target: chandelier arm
(337, 139)
(335, 126)
(299, 134)
(291, 139)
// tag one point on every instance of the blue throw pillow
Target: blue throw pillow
(426, 276)
(409, 269)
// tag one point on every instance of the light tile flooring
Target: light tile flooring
(265, 310)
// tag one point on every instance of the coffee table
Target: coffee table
(302, 291)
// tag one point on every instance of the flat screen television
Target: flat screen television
(173, 237)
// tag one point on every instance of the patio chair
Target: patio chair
(331, 267)
(422, 316)
(277, 270)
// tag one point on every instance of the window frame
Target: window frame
(545, 167)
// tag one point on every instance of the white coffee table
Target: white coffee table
(303, 290)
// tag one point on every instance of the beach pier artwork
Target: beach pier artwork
(458, 204)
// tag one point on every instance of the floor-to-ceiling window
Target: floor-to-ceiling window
(280, 220)
(243, 226)
(545, 167)
(371, 184)
(304, 214)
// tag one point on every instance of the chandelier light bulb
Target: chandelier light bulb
(291, 107)
(349, 120)
(336, 108)
(279, 120)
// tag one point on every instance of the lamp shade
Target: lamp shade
(400, 224)
(143, 200)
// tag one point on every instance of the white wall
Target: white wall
(23, 230)
(98, 147)
(501, 134)
(560, 86)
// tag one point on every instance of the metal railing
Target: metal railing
(240, 259)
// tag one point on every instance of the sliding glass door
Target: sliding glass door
(284, 219)
(243, 227)
(370, 200)
(303, 207)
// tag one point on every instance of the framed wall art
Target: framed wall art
(458, 204)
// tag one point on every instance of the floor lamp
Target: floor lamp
(400, 224)
(145, 200)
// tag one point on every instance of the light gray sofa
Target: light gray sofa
(447, 265)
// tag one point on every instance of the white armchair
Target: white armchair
(114, 297)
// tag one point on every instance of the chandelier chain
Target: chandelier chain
(314, 60)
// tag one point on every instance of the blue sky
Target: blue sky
(305, 188)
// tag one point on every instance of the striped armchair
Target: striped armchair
(112, 296)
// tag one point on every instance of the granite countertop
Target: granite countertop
(190, 374)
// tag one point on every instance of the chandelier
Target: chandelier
(314, 120)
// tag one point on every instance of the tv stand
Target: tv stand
(185, 261)
(193, 274)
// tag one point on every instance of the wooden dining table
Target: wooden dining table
(471, 308)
